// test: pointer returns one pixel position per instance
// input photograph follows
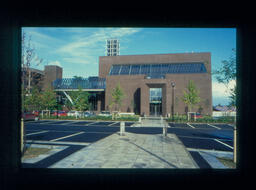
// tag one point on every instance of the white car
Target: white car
(105, 113)
(75, 113)
(72, 113)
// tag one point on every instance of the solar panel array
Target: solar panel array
(84, 83)
(156, 70)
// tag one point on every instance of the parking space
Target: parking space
(101, 123)
(203, 143)
(80, 122)
(179, 125)
(203, 126)
(47, 135)
(225, 126)
(88, 137)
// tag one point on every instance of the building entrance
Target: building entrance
(155, 109)
(155, 101)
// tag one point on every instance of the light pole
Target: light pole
(172, 108)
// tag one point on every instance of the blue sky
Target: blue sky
(77, 50)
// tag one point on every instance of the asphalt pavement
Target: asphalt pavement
(196, 138)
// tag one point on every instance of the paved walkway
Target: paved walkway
(131, 151)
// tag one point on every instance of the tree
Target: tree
(117, 97)
(33, 101)
(191, 96)
(232, 97)
(49, 101)
(81, 102)
(29, 59)
(226, 74)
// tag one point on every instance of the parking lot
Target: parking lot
(78, 134)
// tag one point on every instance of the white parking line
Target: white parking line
(113, 123)
(190, 125)
(224, 144)
(37, 133)
(213, 126)
(49, 122)
(67, 136)
(68, 122)
(92, 123)
(58, 143)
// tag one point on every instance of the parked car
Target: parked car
(88, 114)
(36, 113)
(105, 113)
(75, 113)
(54, 113)
(198, 115)
(71, 113)
(60, 113)
(27, 116)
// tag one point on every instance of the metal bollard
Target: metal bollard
(122, 128)
(165, 130)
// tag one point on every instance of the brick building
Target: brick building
(41, 78)
(146, 81)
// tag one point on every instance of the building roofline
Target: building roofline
(160, 54)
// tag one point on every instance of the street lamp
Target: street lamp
(172, 108)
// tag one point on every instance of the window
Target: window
(145, 69)
(125, 69)
(115, 70)
(158, 70)
(135, 69)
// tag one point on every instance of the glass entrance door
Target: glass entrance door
(155, 101)
(155, 109)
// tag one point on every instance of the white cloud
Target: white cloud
(55, 63)
(220, 90)
(85, 48)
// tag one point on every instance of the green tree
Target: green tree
(33, 101)
(232, 97)
(81, 102)
(227, 73)
(117, 97)
(191, 96)
(48, 99)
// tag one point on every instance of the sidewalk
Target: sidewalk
(131, 151)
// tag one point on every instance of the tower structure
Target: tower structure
(112, 47)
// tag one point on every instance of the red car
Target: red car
(60, 113)
(198, 115)
(36, 113)
(29, 116)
